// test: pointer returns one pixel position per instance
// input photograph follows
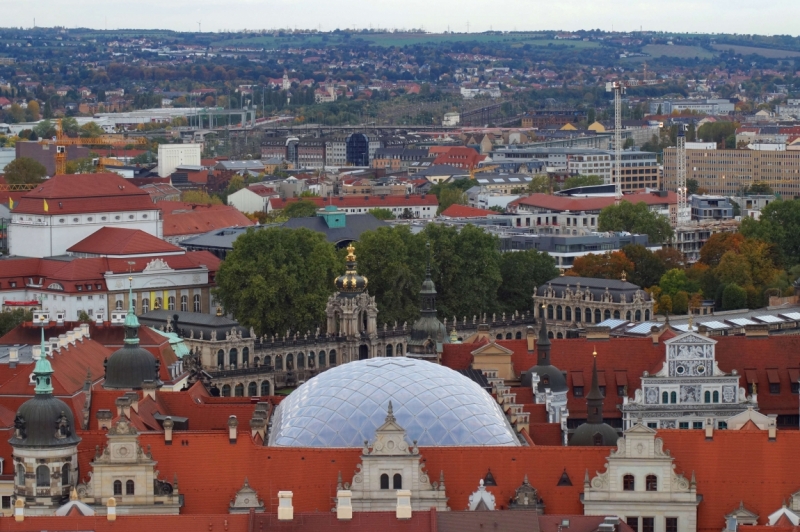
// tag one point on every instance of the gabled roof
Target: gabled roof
(189, 219)
(84, 193)
(566, 203)
(464, 211)
(119, 241)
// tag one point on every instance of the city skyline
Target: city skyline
(468, 16)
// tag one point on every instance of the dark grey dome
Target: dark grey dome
(129, 367)
(549, 377)
(590, 434)
(44, 421)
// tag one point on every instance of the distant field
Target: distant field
(405, 39)
(753, 50)
(679, 51)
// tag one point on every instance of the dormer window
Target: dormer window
(80, 288)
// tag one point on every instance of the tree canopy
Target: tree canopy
(300, 209)
(582, 181)
(25, 170)
(779, 224)
(278, 279)
(635, 218)
(522, 272)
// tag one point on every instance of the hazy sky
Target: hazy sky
(730, 16)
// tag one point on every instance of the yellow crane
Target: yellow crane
(487, 168)
(61, 141)
(17, 187)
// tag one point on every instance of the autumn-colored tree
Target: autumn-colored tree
(603, 266)
(671, 258)
(717, 245)
(33, 111)
(200, 197)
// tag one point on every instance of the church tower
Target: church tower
(428, 333)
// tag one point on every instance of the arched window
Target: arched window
(607, 315)
(628, 483)
(508, 336)
(389, 350)
(598, 316)
(597, 439)
(651, 483)
(264, 388)
(519, 335)
(289, 362)
(616, 314)
(578, 314)
(256, 362)
(332, 358)
(397, 481)
(184, 303)
(117, 487)
(197, 302)
(321, 359)
(311, 360)
(549, 312)
(673, 397)
(145, 305)
(638, 315)
(42, 476)
(233, 357)
(559, 313)
(568, 313)
(252, 389)
(716, 397)
(588, 315)
(664, 397)
(130, 488)
(226, 390)
(498, 337)
(65, 474)
(171, 302)
(384, 481)
(220, 358)
(279, 362)
(239, 390)
(20, 475)
(550, 335)
(628, 315)
(646, 315)
(245, 357)
(118, 305)
(707, 397)
(301, 360)
(559, 335)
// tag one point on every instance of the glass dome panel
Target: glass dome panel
(436, 405)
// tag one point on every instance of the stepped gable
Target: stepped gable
(84, 193)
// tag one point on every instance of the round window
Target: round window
(130, 217)
(680, 370)
(116, 217)
(103, 218)
(75, 220)
(144, 216)
(89, 219)
(61, 220)
(701, 369)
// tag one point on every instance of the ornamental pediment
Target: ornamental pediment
(690, 338)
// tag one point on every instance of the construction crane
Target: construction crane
(619, 88)
(482, 169)
(61, 142)
(17, 187)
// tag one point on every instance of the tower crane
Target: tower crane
(61, 141)
(619, 88)
(684, 212)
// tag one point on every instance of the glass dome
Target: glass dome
(343, 406)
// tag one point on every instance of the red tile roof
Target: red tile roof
(355, 201)
(120, 241)
(464, 211)
(189, 219)
(567, 203)
(85, 193)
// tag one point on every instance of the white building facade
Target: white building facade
(171, 156)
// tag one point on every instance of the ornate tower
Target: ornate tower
(352, 313)
(45, 447)
(428, 333)
(594, 431)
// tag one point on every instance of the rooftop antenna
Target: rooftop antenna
(199, 26)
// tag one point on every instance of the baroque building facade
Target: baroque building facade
(690, 391)
(577, 302)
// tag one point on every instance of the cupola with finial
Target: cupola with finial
(351, 283)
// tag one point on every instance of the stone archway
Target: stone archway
(363, 352)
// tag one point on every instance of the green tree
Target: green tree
(24, 170)
(691, 186)
(664, 305)
(91, 129)
(680, 302)
(648, 268)
(540, 184)
(450, 196)
(69, 126)
(200, 197)
(779, 224)
(278, 279)
(10, 319)
(45, 129)
(582, 181)
(734, 297)
(675, 281)
(717, 132)
(300, 209)
(393, 259)
(759, 189)
(522, 272)
(81, 166)
(635, 218)
(382, 214)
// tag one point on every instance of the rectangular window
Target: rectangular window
(648, 524)
(633, 522)
(697, 424)
(796, 387)
(774, 388)
(672, 524)
(6, 501)
(577, 391)
(683, 425)
(652, 425)
(621, 391)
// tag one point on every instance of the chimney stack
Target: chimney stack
(709, 426)
(530, 336)
(403, 510)
(344, 507)
(233, 423)
(111, 507)
(285, 508)
(168, 425)
(13, 356)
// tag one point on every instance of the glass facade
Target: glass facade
(436, 406)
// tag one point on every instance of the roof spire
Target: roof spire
(131, 321)
(595, 399)
(544, 340)
(390, 414)
(43, 372)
